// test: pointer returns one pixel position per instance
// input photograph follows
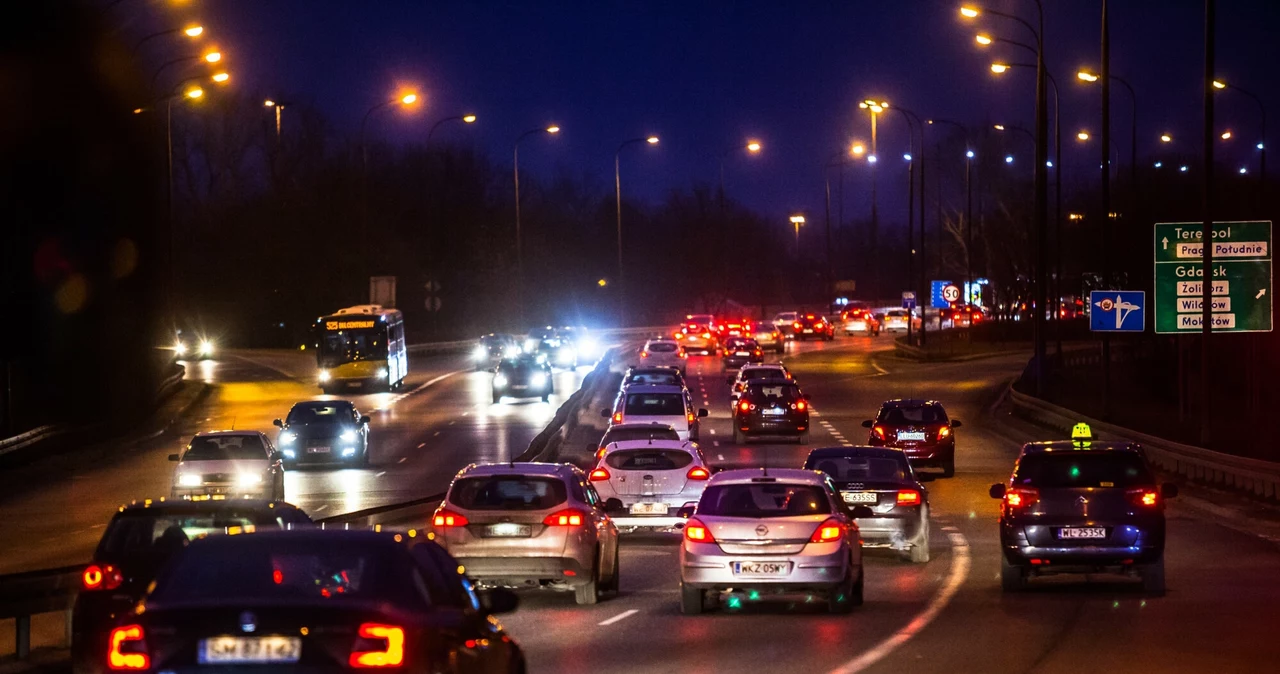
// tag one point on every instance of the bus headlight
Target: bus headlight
(206, 347)
(188, 480)
(481, 352)
(538, 380)
(382, 373)
(348, 435)
(324, 376)
(180, 348)
(287, 437)
(499, 381)
(250, 479)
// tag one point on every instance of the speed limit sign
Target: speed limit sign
(951, 293)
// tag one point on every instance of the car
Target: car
(785, 322)
(640, 431)
(530, 525)
(734, 327)
(587, 347)
(315, 600)
(854, 321)
(699, 333)
(755, 373)
(896, 320)
(668, 376)
(768, 336)
(323, 431)
(492, 348)
(219, 465)
(138, 541)
(739, 351)
(965, 316)
(881, 479)
(812, 326)
(553, 346)
(1084, 508)
(771, 408)
(651, 403)
(771, 530)
(920, 428)
(192, 345)
(525, 376)
(665, 352)
(651, 481)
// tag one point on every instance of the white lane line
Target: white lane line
(380, 474)
(719, 457)
(620, 617)
(321, 507)
(713, 431)
(403, 459)
(877, 367)
(715, 443)
(423, 444)
(452, 422)
(955, 578)
(435, 434)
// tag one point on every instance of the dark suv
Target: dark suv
(1082, 507)
(525, 376)
(920, 428)
(771, 408)
(739, 351)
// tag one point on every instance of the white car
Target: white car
(671, 405)
(652, 479)
(896, 319)
(228, 465)
(664, 352)
(785, 323)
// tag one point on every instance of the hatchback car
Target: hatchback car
(530, 525)
(651, 479)
(628, 432)
(492, 348)
(699, 333)
(785, 322)
(881, 479)
(864, 321)
(315, 601)
(813, 326)
(776, 531)
(768, 336)
(324, 431)
(525, 376)
(896, 320)
(920, 428)
(221, 465)
(1073, 507)
(664, 353)
(771, 408)
(739, 351)
(665, 376)
(755, 373)
(670, 405)
(138, 541)
(965, 316)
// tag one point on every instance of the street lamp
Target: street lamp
(189, 31)
(405, 99)
(875, 108)
(515, 156)
(1226, 135)
(752, 147)
(1086, 76)
(797, 221)
(1166, 138)
(617, 192)
(465, 119)
(913, 123)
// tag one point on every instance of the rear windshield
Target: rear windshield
(763, 500)
(662, 347)
(625, 434)
(1082, 469)
(655, 404)
(320, 413)
(773, 392)
(649, 459)
(508, 492)
(661, 379)
(761, 373)
(226, 448)
(150, 532)
(741, 343)
(897, 314)
(861, 468)
(924, 414)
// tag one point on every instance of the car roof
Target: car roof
(655, 388)
(561, 470)
(336, 538)
(212, 434)
(641, 426)
(779, 367)
(669, 340)
(161, 505)
(683, 445)
(323, 403)
(856, 450)
(653, 369)
(756, 475)
(908, 402)
(1082, 446)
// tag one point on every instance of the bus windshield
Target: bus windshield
(345, 346)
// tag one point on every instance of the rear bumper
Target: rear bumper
(648, 521)
(519, 571)
(923, 454)
(1136, 545)
(808, 571)
(889, 530)
(781, 426)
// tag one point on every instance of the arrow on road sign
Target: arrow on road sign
(1165, 241)
(1260, 294)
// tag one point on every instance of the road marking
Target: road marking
(423, 444)
(380, 474)
(715, 443)
(321, 507)
(436, 433)
(713, 431)
(879, 369)
(719, 457)
(955, 578)
(621, 616)
(452, 422)
(403, 459)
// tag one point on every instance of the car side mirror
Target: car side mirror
(604, 414)
(1169, 490)
(274, 455)
(278, 422)
(868, 423)
(685, 512)
(174, 457)
(498, 600)
(996, 491)
(861, 512)
(703, 413)
(955, 423)
(613, 505)
(365, 420)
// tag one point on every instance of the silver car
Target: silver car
(530, 525)
(672, 405)
(781, 531)
(652, 480)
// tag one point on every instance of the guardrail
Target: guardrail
(461, 345)
(29, 593)
(1259, 478)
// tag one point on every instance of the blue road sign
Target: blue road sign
(1117, 311)
(935, 295)
(908, 299)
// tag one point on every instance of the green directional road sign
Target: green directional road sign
(1241, 277)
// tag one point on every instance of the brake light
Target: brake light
(956, 317)
(389, 655)
(644, 354)
(744, 406)
(698, 473)
(693, 326)
(759, 352)
(445, 518)
(568, 517)
(105, 577)
(908, 497)
(678, 334)
(1147, 498)
(617, 417)
(801, 405)
(600, 453)
(808, 315)
(117, 658)
(944, 432)
(689, 417)
(599, 474)
(1021, 498)
(682, 353)
(796, 325)
(977, 317)
(878, 431)
(828, 531)
(697, 532)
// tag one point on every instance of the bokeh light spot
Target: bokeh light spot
(124, 258)
(72, 295)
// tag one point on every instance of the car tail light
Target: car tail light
(445, 518)
(1144, 497)
(682, 354)
(759, 352)
(599, 474)
(977, 317)
(678, 334)
(796, 325)
(690, 417)
(105, 577)
(799, 405)
(828, 531)
(1021, 498)
(644, 354)
(368, 652)
(908, 497)
(744, 406)
(697, 532)
(134, 658)
(775, 334)
(693, 326)
(600, 453)
(956, 317)
(617, 417)
(878, 431)
(944, 432)
(569, 517)
(698, 473)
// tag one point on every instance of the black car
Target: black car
(492, 348)
(771, 408)
(882, 480)
(324, 431)
(1082, 507)
(813, 326)
(739, 351)
(920, 428)
(137, 543)
(315, 601)
(526, 376)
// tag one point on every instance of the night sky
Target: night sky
(706, 76)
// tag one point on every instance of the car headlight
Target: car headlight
(349, 451)
(324, 376)
(481, 353)
(348, 435)
(287, 437)
(538, 379)
(530, 345)
(250, 479)
(512, 351)
(499, 381)
(567, 353)
(288, 454)
(542, 358)
(206, 348)
(180, 348)
(382, 373)
(188, 480)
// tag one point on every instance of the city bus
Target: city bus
(361, 346)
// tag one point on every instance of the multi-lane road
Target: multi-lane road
(945, 616)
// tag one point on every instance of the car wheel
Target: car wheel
(840, 600)
(803, 438)
(690, 600)
(949, 467)
(497, 398)
(364, 457)
(615, 581)
(919, 553)
(1012, 578)
(589, 592)
(1153, 578)
(739, 437)
(546, 397)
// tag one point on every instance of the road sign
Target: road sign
(951, 293)
(935, 295)
(846, 286)
(908, 299)
(1241, 277)
(432, 300)
(1118, 311)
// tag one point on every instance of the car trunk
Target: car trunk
(881, 497)
(763, 536)
(1076, 508)
(499, 533)
(648, 482)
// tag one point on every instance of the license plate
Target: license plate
(808, 331)
(774, 411)
(911, 435)
(249, 650)
(741, 353)
(317, 450)
(1069, 533)
(520, 386)
(859, 496)
(509, 529)
(762, 568)
(649, 509)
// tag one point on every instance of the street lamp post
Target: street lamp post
(207, 57)
(465, 119)
(1262, 142)
(515, 154)
(404, 99)
(797, 221)
(190, 31)
(278, 108)
(617, 191)
(752, 147)
(875, 108)
(913, 123)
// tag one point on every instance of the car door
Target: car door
(477, 641)
(606, 531)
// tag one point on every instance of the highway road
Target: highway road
(945, 616)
